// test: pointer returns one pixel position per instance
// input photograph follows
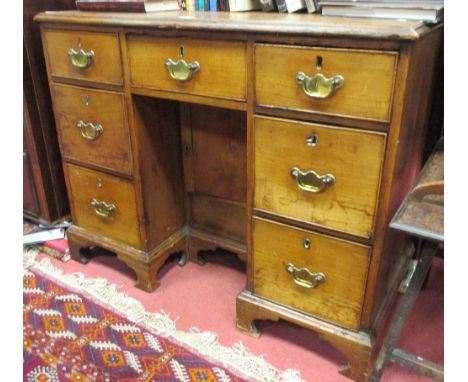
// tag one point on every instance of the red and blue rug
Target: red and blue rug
(68, 337)
(82, 329)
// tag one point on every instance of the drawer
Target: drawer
(313, 273)
(294, 166)
(221, 66)
(104, 204)
(93, 127)
(365, 92)
(96, 56)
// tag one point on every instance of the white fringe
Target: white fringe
(237, 358)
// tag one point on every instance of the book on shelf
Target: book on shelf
(127, 5)
(427, 11)
(268, 6)
(244, 5)
(224, 5)
(311, 6)
(290, 6)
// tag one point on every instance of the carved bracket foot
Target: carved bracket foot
(247, 315)
(356, 346)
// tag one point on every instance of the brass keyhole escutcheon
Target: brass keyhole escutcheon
(306, 243)
(312, 141)
(319, 62)
(181, 51)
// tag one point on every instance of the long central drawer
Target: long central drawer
(218, 67)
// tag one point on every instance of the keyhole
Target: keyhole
(86, 100)
(312, 141)
(181, 51)
(78, 42)
(319, 62)
(99, 183)
(306, 243)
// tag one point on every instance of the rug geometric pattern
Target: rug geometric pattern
(68, 337)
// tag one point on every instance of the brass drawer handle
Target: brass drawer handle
(180, 70)
(305, 278)
(103, 209)
(318, 86)
(89, 130)
(80, 58)
(310, 181)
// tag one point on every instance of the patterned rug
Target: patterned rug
(79, 329)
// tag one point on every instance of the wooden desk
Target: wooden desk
(288, 139)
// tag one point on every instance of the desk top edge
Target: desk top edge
(248, 22)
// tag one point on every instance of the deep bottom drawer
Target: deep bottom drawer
(317, 274)
(104, 204)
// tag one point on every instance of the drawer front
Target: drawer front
(221, 72)
(287, 152)
(93, 127)
(103, 65)
(104, 204)
(331, 286)
(365, 92)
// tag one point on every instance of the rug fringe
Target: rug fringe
(236, 358)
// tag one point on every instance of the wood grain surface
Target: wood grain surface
(86, 185)
(366, 92)
(352, 156)
(343, 263)
(250, 22)
(222, 65)
(106, 66)
(111, 149)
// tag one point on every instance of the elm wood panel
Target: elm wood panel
(224, 218)
(218, 153)
(86, 185)
(249, 22)
(403, 161)
(112, 149)
(354, 157)
(106, 66)
(156, 125)
(366, 92)
(339, 299)
(292, 39)
(222, 65)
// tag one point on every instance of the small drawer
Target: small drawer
(85, 56)
(349, 83)
(313, 273)
(104, 204)
(197, 67)
(93, 129)
(328, 176)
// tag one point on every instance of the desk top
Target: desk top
(249, 22)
